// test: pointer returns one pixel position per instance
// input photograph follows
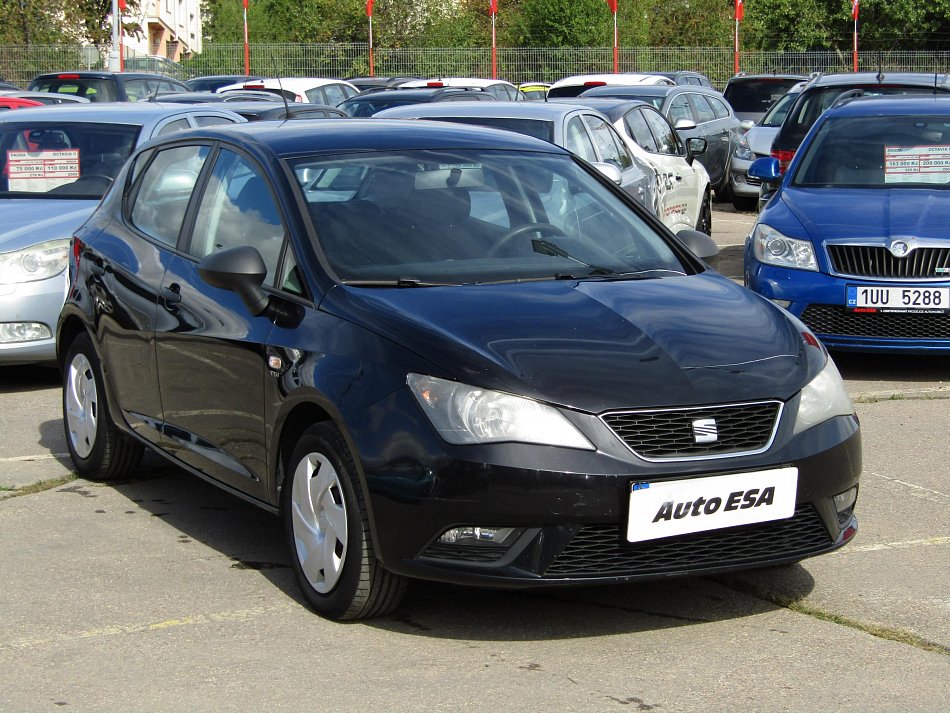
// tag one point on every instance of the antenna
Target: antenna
(161, 76)
(280, 86)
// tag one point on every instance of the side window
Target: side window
(204, 120)
(667, 141)
(165, 87)
(173, 126)
(238, 208)
(719, 108)
(315, 96)
(680, 109)
(577, 140)
(704, 112)
(164, 191)
(136, 90)
(334, 94)
(640, 131)
(608, 143)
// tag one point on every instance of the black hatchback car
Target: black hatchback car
(372, 102)
(450, 353)
(104, 86)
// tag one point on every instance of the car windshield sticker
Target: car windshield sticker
(917, 164)
(42, 171)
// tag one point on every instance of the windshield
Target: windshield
(878, 152)
(61, 159)
(758, 94)
(413, 218)
(531, 127)
(775, 116)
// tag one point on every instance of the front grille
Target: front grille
(597, 550)
(670, 433)
(834, 319)
(868, 261)
(476, 553)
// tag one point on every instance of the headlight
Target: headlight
(822, 398)
(743, 152)
(37, 262)
(773, 248)
(468, 415)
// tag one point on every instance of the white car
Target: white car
(572, 86)
(683, 192)
(502, 90)
(315, 90)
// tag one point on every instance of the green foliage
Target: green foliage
(34, 22)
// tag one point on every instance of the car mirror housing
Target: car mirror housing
(766, 169)
(241, 270)
(699, 243)
(696, 145)
(610, 171)
(684, 124)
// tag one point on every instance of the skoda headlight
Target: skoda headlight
(773, 248)
(822, 398)
(467, 415)
(36, 262)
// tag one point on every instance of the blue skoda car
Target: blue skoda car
(855, 242)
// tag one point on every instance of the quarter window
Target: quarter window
(679, 109)
(578, 141)
(165, 190)
(704, 112)
(608, 143)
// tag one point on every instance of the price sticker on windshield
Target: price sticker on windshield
(41, 171)
(917, 164)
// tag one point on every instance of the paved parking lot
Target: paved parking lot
(163, 593)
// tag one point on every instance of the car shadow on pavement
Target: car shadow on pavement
(252, 539)
(22, 379)
(893, 367)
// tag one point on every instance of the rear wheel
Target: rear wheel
(328, 534)
(98, 450)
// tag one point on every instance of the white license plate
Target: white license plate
(898, 299)
(679, 507)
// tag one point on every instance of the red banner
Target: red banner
(369, 8)
(492, 7)
(855, 8)
(613, 6)
(740, 10)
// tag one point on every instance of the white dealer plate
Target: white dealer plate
(679, 507)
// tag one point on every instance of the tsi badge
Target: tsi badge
(705, 430)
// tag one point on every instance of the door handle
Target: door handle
(171, 295)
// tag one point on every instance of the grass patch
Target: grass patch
(38, 487)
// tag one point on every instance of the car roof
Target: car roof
(856, 78)
(613, 107)
(292, 138)
(105, 74)
(893, 104)
(623, 79)
(457, 82)
(653, 90)
(143, 113)
(540, 111)
(742, 77)
(288, 83)
(420, 93)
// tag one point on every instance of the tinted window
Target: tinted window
(701, 108)
(680, 109)
(334, 94)
(238, 208)
(776, 115)
(577, 140)
(719, 107)
(164, 190)
(204, 120)
(638, 129)
(609, 145)
(139, 89)
(173, 126)
(316, 96)
(757, 95)
(166, 87)
(530, 127)
(667, 141)
(96, 90)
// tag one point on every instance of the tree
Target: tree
(35, 22)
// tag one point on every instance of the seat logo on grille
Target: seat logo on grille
(705, 430)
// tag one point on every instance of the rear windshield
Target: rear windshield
(95, 90)
(878, 152)
(758, 95)
(62, 159)
(363, 108)
(530, 127)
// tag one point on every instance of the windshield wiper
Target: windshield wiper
(543, 247)
(400, 282)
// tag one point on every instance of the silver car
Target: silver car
(55, 164)
(583, 131)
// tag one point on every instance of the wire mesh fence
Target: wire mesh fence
(20, 64)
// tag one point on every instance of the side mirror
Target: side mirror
(684, 124)
(696, 145)
(766, 169)
(699, 243)
(241, 270)
(609, 170)
(746, 125)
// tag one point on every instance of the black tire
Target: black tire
(745, 203)
(321, 495)
(98, 449)
(704, 221)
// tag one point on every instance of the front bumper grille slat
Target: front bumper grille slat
(877, 262)
(597, 550)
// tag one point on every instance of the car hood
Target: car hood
(595, 345)
(829, 214)
(29, 221)
(760, 139)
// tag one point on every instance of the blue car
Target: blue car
(855, 240)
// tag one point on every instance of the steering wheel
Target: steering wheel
(508, 237)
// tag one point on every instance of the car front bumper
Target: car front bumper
(818, 299)
(33, 303)
(743, 184)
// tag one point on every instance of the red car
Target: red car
(16, 103)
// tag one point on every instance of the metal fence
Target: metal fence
(20, 64)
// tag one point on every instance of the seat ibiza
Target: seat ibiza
(450, 353)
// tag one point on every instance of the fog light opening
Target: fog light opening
(477, 536)
(14, 332)
(844, 504)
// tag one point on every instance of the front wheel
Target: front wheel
(704, 221)
(98, 450)
(327, 530)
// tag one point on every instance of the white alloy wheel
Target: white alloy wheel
(318, 512)
(81, 405)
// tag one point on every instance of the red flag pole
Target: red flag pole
(740, 15)
(369, 14)
(247, 46)
(122, 7)
(494, 49)
(616, 46)
(855, 10)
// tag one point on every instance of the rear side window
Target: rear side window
(204, 120)
(578, 142)
(173, 126)
(164, 190)
(702, 109)
(719, 108)
(334, 94)
(680, 109)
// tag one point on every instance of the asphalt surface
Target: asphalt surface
(164, 593)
